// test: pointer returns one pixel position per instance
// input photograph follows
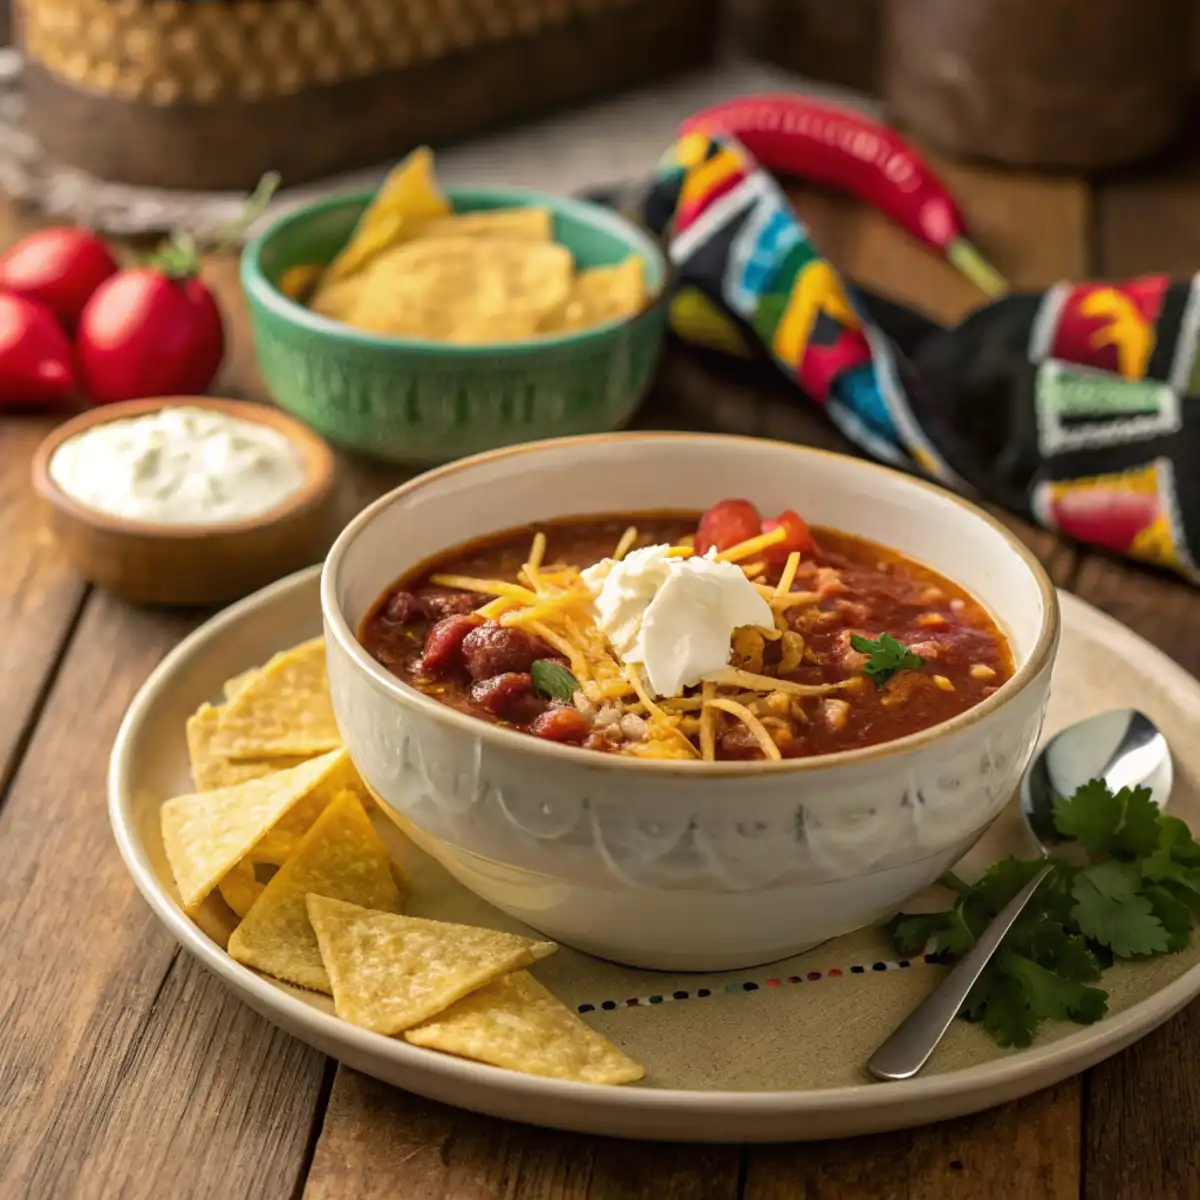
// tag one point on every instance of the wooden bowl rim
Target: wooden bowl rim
(314, 451)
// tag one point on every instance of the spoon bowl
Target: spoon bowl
(1123, 747)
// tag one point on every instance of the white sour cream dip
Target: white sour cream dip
(674, 616)
(180, 465)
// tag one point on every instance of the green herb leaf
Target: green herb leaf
(935, 933)
(1136, 894)
(553, 679)
(1115, 917)
(998, 1001)
(1051, 997)
(1124, 824)
(1174, 915)
(885, 656)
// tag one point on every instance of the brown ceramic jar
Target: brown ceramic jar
(1079, 84)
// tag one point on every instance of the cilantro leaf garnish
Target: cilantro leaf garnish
(1124, 824)
(553, 679)
(1116, 916)
(1136, 895)
(885, 656)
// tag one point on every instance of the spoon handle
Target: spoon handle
(909, 1047)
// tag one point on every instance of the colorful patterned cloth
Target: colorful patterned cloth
(1079, 407)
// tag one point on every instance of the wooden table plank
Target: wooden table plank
(1024, 1150)
(126, 1071)
(40, 596)
(380, 1142)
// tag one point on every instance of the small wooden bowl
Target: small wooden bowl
(192, 565)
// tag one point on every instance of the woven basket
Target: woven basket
(211, 93)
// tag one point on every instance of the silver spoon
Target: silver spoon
(1125, 749)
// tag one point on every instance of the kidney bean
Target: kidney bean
(444, 644)
(439, 603)
(402, 607)
(561, 725)
(493, 649)
(509, 697)
(432, 604)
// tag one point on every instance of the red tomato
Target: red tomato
(35, 356)
(146, 333)
(798, 536)
(59, 268)
(726, 524)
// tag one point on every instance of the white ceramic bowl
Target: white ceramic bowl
(692, 866)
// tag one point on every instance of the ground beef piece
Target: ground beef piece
(443, 651)
(738, 742)
(509, 697)
(561, 724)
(493, 649)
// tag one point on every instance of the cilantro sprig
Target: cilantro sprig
(553, 679)
(1135, 893)
(885, 656)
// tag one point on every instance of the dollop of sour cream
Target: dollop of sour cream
(674, 616)
(180, 465)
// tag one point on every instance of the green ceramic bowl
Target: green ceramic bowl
(412, 400)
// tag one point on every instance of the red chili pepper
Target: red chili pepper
(725, 525)
(822, 143)
(798, 536)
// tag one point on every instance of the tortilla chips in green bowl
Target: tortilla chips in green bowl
(494, 326)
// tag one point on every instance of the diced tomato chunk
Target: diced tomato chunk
(561, 725)
(726, 524)
(798, 536)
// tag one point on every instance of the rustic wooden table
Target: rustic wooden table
(125, 1071)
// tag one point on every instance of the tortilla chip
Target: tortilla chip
(462, 289)
(284, 710)
(210, 771)
(241, 887)
(516, 1023)
(342, 857)
(297, 283)
(206, 833)
(390, 972)
(231, 687)
(530, 224)
(602, 294)
(408, 197)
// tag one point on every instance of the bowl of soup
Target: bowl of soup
(684, 701)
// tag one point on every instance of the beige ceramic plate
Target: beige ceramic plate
(764, 1055)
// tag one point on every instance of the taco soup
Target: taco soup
(714, 636)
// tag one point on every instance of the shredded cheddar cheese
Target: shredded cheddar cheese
(625, 544)
(734, 677)
(708, 722)
(552, 602)
(789, 575)
(752, 546)
(485, 587)
(757, 728)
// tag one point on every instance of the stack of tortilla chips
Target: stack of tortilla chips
(278, 839)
